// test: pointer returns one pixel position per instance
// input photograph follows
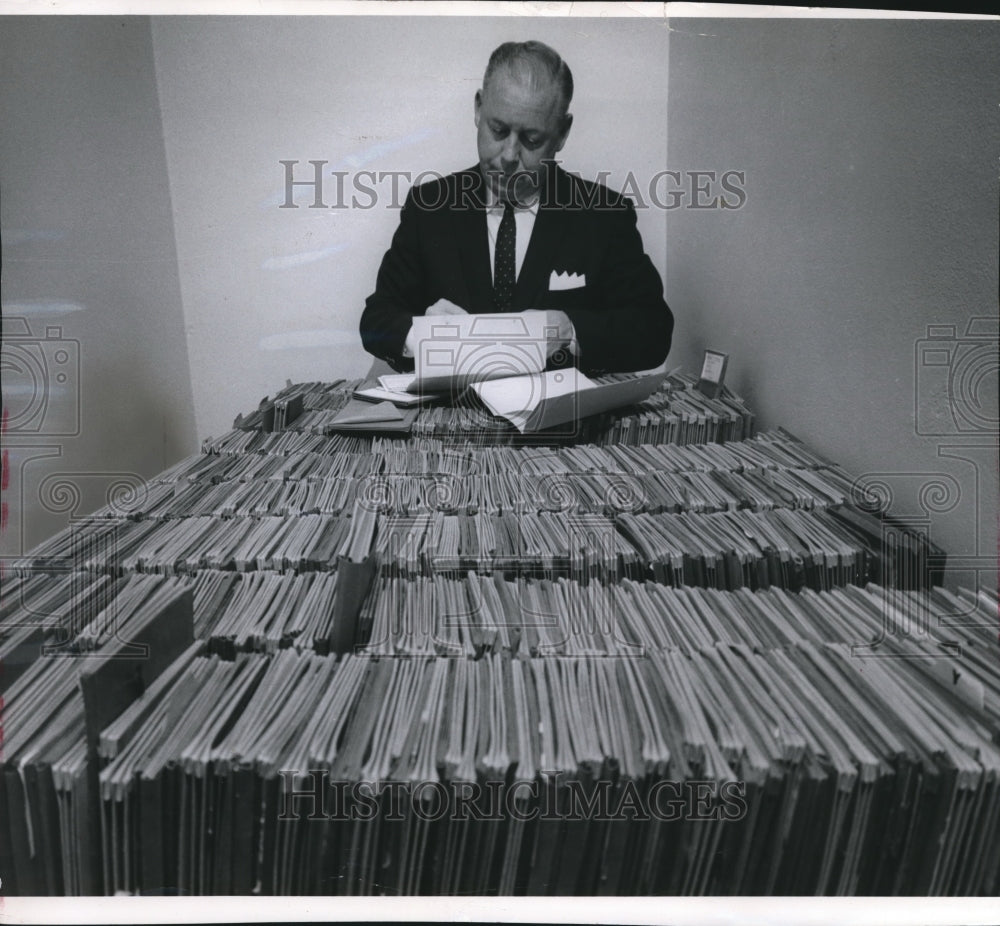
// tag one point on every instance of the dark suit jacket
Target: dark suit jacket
(440, 251)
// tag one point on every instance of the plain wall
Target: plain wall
(870, 159)
(89, 265)
(272, 294)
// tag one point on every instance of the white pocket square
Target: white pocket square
(559, 281)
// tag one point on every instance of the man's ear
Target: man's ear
(479, 103)
(566, 126)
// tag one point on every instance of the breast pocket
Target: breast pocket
(577, 298)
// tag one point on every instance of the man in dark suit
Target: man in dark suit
(517, 233)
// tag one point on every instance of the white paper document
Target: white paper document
(453, 351)
(501, 358)
(547, 400)
(396, 382)
(396, 396)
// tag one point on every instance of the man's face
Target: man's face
(520, 127)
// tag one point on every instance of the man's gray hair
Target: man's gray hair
(526, 59)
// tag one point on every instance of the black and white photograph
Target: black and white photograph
(537, 460)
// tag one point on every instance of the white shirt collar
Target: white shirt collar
(493, 203)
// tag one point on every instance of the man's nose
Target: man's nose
(511, 154)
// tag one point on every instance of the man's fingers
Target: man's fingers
(444, 307)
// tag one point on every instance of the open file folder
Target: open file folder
(555, 397)
(501, 359)
(359, 415)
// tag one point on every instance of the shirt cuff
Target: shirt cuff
(409, 344)
(567, 335)
(574, 345)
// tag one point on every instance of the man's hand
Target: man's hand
(444, 307)
(441, 307)
(562, 336)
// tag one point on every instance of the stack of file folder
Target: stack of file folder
(651, 653)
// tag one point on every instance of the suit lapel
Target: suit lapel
(538, 260)
(474, 250)
(546, 237)
(473, 241)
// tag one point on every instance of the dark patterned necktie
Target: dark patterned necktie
(504, 267)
